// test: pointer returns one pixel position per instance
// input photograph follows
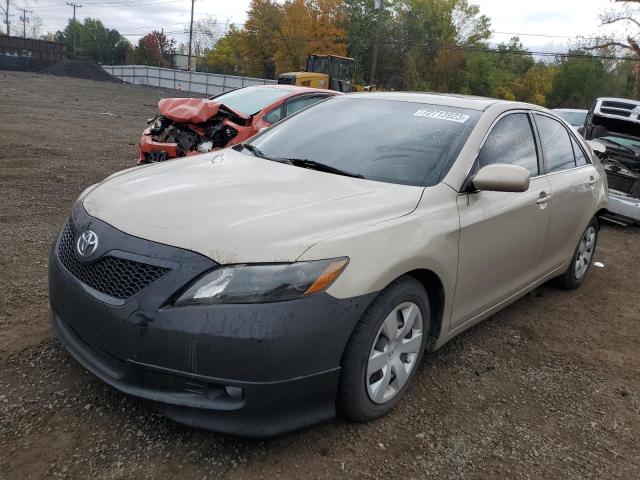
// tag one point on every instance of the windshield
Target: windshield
(385, 140)
(624, 141)
(251, 100)
(574, 118)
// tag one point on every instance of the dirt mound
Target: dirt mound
(80, 69)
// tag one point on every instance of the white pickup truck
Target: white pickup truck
(612, 128)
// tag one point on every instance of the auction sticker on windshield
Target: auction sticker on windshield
(442, 115)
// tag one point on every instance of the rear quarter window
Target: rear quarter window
(581, 158)
(556, 144)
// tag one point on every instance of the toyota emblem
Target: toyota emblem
(87, 243)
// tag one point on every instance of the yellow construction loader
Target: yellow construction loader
(324, 71)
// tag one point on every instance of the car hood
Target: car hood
(193, 110)
(608, 152)
(236, 208)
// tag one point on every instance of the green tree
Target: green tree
(417, 40)
(95, 41)
(226, 56)
(579, 82)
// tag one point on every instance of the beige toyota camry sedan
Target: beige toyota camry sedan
(306, 272)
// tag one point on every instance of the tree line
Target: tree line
(425, 45)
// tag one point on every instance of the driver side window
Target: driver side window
(511, 141)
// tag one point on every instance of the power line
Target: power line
(458, 47)
(542, 35)
(115, 5)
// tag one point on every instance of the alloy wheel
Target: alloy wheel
(585, 252)
(394, 352)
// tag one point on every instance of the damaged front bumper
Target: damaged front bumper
(190, 126)
(624, 206)
(152, 151)
(245, 369)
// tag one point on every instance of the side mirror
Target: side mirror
(501, 177)
(581, 131)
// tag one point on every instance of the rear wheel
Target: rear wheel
(582, 258)
(383, 353)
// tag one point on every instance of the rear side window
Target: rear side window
(511, 141)
(556, 144)
(581, 158)
(298, 104)
(274, 115)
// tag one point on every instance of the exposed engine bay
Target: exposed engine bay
(623, 172)
(189, 137)
(612, 127)
(188, 126)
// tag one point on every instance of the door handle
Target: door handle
(544, 198)
(592, 181)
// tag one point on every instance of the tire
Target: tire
(574, 276)
(363, 397)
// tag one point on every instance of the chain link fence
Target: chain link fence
(199, 82)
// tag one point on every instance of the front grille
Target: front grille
(620, 109)
(621, 183)
(113, 276)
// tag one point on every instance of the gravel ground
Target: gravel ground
(548, 388)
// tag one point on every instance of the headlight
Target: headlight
(263, 283)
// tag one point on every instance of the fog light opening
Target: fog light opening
(234, 392)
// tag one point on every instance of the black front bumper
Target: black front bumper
(255, 370)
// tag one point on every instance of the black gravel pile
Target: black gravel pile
(80, 69)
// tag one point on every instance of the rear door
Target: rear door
(502, 234)
(574, 186)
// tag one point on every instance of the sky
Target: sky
(542, 19)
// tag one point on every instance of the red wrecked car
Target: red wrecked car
(189, 126)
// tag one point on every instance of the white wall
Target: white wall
(200, 82)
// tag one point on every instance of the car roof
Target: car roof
(445, 99)
(570, 110)
(296, 89)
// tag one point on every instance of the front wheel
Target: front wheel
(582, 258)
(383, 353)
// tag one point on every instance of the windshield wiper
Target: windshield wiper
(299, 162)
(253, 149)
(322, 167)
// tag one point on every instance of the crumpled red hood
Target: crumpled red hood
(193, 110)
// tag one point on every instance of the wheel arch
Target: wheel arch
(600, 213)
(435, 291)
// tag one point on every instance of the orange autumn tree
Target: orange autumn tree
(259, 38)
(286, 33)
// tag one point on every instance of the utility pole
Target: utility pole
(190, 35)
(160, 52)
(74, 5)
(24, 20)
(374, 56)
(6, 18)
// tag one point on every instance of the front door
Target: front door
(502, 234)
